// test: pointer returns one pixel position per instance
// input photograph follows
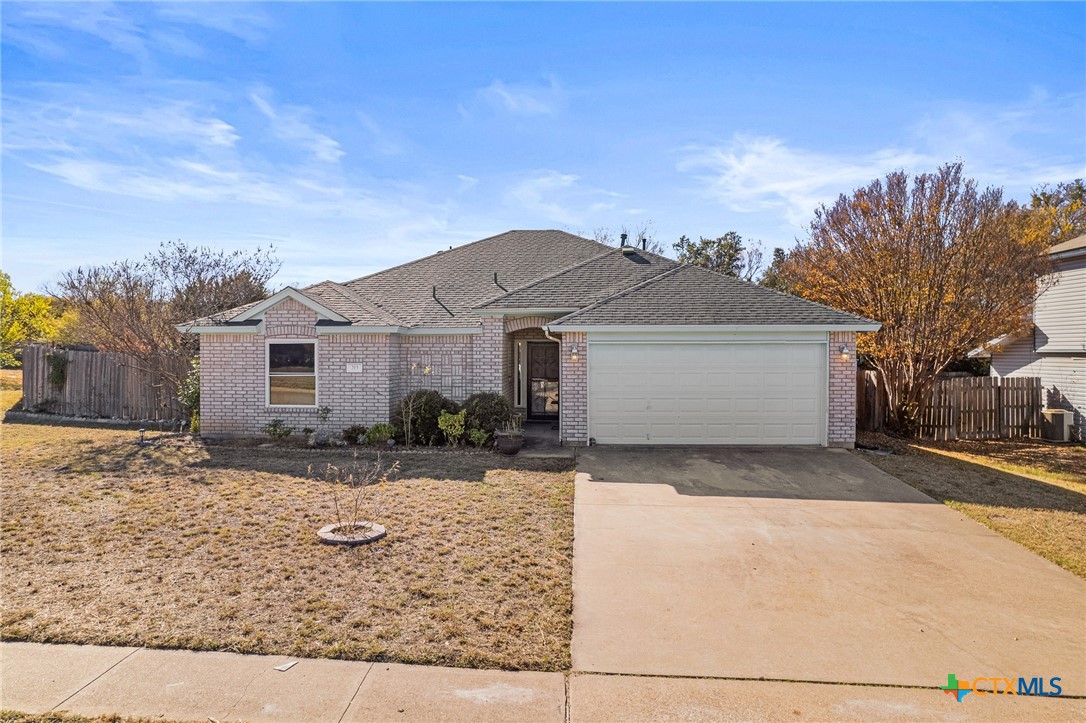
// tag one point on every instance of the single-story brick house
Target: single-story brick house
(620, 345)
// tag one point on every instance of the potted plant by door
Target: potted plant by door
(510, 437)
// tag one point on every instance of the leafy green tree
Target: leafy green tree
(1063, 207)
(727, 254)
(24, 318)
(773, 277)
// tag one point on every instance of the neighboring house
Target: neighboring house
(1055, 349)
(620, 345)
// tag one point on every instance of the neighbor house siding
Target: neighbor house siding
(1059, 312)
(233, 381)
(1063, 376)
(573, 389)
(841, 428)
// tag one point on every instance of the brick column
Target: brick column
(488, 355)
(841, 431)
(573, 390)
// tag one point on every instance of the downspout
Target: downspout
(547, 333)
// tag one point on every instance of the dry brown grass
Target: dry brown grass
(10, 716)
(1029, 491)
(11, 388)
(187, 545)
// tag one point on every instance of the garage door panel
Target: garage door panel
(660, 393)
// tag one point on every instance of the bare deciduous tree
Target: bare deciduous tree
(133, 306)
(644, 232)
(944, 267)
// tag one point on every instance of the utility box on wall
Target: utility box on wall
(1056, 425)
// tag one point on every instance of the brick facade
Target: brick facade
(233, 377)
(233, 383)
(573, 395)
(841, 430)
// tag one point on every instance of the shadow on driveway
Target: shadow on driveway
(778, 473)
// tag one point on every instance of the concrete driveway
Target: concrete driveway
(804, 565)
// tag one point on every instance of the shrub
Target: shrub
(188, 393)
(487, 411)
(277, 429)
(379, 434)
(452, 426)
(416, 416)
(354, 434)
(308, 431)
(477, 436)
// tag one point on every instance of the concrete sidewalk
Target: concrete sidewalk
(198, 686)
(183, 685)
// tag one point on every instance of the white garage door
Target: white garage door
(707, 393)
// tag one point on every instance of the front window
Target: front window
(292, 374)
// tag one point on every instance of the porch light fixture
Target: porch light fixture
(573, 351)
(844, 350)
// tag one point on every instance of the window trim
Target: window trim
(267, 372)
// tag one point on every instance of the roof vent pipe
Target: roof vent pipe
(644, 243)
(623, 237)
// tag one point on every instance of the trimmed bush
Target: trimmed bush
(354, 434)
(452, 426)
(277, 429)
(487, 411)
(379, 434)
(420, 410)
(478, 436)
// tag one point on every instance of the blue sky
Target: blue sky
(357, 136)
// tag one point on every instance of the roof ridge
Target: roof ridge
(786, 294)
(368, 305)
(623, 292)
(470, 243)
(541, 279)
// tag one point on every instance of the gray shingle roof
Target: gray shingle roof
(555, 269)
(345, 302)
(587, 282)
(464, 276)
(692, 296)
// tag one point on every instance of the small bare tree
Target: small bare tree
(355, 492)
(643, 234)
(133, 306)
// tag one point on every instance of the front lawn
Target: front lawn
(11, 388)
(214, 547)
(1027, 490)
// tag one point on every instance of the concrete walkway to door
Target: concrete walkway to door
(804, 565)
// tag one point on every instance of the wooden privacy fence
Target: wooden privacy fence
(962, 408)
(96, 384)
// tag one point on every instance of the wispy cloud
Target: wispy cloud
(526, 99)
(559, 197)
(242, 20)
(760, 173)
(752, 173)
(133, 30)
(291, 124)
(62, 118)
(28, 26)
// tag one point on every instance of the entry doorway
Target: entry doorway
(543, 374)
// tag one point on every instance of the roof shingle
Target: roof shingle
(692, 296)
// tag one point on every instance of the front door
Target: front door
(542, 380)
